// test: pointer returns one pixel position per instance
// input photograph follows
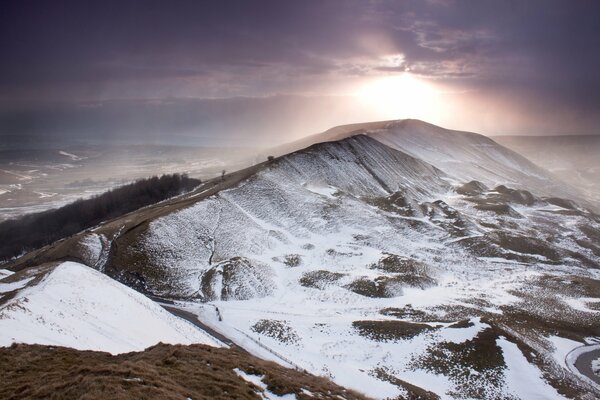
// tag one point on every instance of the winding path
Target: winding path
(583, 363)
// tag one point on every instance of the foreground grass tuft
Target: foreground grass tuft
(160, 372)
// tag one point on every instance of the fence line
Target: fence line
(287, 360)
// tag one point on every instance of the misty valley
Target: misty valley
(38, 179)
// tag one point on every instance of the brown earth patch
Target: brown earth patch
(413, 392)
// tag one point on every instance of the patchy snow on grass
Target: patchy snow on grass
(580, 303)
(92, 244)
(330, 346)
(76, 306)
(257, 380)
(318, 227)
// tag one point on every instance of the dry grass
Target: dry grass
(412, 392)
(320, 279)
(279, 330)
(383, 331)
(458, 361)
(159, 372)
(388, 286)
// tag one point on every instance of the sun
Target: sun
(400, 96)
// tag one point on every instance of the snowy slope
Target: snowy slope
(468, 156)
(282, 212)
(322, 256)
(76, 306)
(464, 156)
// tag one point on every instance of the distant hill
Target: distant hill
(574, 159)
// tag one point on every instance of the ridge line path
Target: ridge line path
(193, 318)
(190, 317)
(580, 358)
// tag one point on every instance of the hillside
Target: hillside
(573, 159)
(161, 372)
(462, 155)
(378, 264)
(33, 231)
(72, 305)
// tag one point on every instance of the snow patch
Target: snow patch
(9, 287)
(580, 303)
(71, 156)
(327, 191)
(92, 247)
(4, 273)
(523, 379)
(596, 366)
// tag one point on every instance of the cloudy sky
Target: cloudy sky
(496, 67)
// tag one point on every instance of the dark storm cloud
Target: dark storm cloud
(84, 50)
(57, 41)
(63, 41)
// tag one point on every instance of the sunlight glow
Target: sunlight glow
(401, 96)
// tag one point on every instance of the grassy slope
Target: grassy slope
(162, 371)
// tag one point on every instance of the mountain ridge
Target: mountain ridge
(373, 267)
(405, 135)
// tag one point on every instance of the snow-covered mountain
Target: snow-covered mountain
(467, 156)
(396, 258)
(464, 156)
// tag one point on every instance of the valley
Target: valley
(37, 179)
